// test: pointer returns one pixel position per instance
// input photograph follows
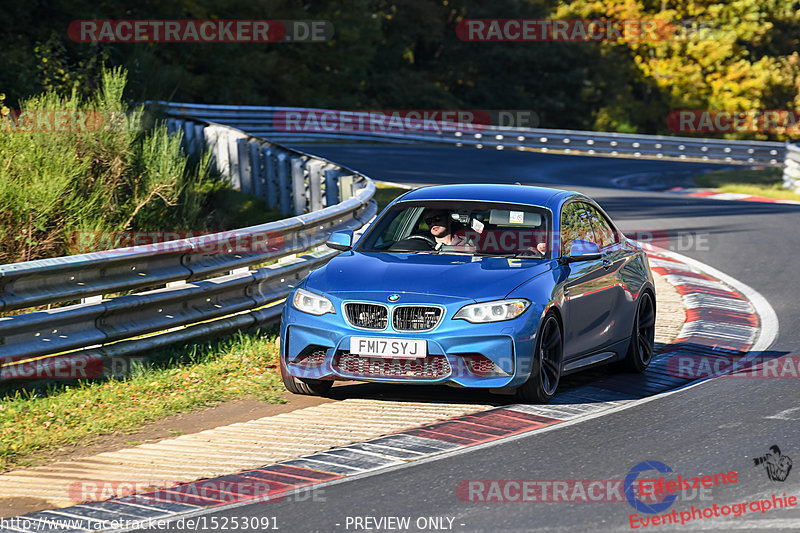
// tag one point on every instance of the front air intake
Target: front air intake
(367, 316)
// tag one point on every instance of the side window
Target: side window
(391, 232)
(602, 228)
(401, 226)
(575, 224)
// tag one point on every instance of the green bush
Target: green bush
(118, 175)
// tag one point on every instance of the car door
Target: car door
(614, 258)
(588, 294)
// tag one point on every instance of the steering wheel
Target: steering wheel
(532, 252)
(414, 243)
(425, 238)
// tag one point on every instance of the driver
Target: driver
(441, 227)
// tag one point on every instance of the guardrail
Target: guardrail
(791, 168)
(187, 288)
(179, 291)
(291, 124)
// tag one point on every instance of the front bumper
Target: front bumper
(460, 353)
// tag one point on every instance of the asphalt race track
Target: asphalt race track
(715, 427)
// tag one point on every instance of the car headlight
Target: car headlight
(311, 303)
(493, 311)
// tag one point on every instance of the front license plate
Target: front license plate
(388, 347)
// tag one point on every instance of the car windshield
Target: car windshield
(461, 227)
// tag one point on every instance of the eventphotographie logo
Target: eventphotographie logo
(775, 464)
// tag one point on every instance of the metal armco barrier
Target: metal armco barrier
(291, 124)
(791, 168)
(177, 302)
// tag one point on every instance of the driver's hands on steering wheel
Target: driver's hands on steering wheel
(428, 239)
(539, 251)
(414, 243)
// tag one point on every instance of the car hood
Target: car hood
(455, 276)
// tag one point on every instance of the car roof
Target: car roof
(519, 194)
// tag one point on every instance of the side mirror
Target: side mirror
(340, 240)
(583, 251)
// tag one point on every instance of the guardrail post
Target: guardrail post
(244, 173)
(270, 177)
(331, 187)
(315, 185)
(791, 168)
(299, 185)
(232, 146)
(345, 188)
(188, 137)
(224, 155)
(199, 138)
(218, 145)
(284, 184)
(256, 169)
(175, 125)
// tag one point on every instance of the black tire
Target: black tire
(309, 387)
(642, 343)
(549, 358)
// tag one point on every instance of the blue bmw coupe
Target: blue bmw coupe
(503, 287)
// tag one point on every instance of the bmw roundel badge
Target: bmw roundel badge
(394, 297)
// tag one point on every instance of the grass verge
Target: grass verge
(386, 193)
(756, 182)
(243, 365)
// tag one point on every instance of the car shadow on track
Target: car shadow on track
(673, 366)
